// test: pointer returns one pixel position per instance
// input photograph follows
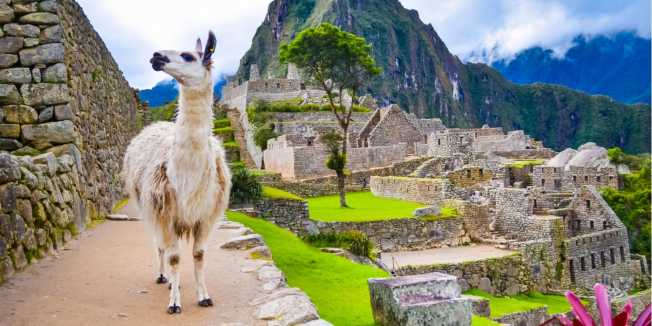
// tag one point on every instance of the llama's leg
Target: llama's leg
(172, 253)
(198, 254)
(161, 268)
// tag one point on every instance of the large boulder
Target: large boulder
(426, 299)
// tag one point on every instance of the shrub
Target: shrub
(354, 241)
(245, 188)
(262, 134)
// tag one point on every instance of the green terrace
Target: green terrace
(363, 207)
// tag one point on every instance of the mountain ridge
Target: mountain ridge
(616, 65)
(422, 76)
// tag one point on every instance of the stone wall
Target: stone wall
(355, 181)
(559, 179)
(103, 105)
(469, 176)
(68, 113)
(422, 190)
(40, 208)
(302, 162)
(507, 275)
(406, 233)
(286, 213)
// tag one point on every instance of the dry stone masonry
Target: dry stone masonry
(66, 116)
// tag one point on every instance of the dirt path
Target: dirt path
(106, 277)
(442, 255)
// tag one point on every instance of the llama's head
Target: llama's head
(189, 68)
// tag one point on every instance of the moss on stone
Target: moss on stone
(119, 205)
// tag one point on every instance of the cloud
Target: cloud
(501, 28)
(134, 29)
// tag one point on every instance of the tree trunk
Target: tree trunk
(341, 177)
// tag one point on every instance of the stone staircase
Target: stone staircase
(222, 129)
(233, 116)
(498, 240)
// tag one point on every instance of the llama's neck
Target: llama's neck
(192, 159)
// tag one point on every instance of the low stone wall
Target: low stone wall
(422, 190)
(405, 234)
(355, 181)
(534, 317)
(40, 208)
(507, 275)
(286, 213)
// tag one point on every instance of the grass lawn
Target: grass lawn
(482, 321)
(363, 207)
(275, 193)
(501, 306)
(337, 286)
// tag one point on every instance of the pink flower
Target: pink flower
(583, 318)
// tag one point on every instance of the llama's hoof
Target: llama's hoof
(206, 302)
(161, 279)
(174, 309)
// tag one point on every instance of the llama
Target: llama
(176, 171)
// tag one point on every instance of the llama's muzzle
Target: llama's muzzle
(158, 61)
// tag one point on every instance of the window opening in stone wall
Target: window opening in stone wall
(612, 255)
(586, 178)
(583, 264)
(278, 85)
(622, 254)
(557, 184)
(571, 267)
(535, 203)
(574, 178)
(603, 259)
(591, 225)
(598, 179)
(481, 172)
(588, 204)
(303, 86)
(604, 225)
(543, 182)
(468, 173)
(438, 142)
(593, 261)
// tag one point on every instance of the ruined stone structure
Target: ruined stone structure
(66, 116)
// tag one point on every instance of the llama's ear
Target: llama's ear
(210, 48)
(198, 46)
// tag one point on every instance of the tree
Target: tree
(337, 61)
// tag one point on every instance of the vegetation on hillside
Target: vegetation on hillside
(165, 112)
(340, 63)
(245, 187)
(632, 203)
(354, 241)
(501, 306)
(337, 286)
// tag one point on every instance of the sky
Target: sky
(475, 30)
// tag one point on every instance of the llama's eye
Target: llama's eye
(187, 57)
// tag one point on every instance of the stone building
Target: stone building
(66, 117)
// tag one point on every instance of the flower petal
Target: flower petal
(578, 309)
(644, 318)
(602, 300)
(622, 318)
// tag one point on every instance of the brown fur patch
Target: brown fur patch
(174, 260)
(164, 203)
(198, 255)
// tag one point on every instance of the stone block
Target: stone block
(288, 310)
(24, 8)
(60, 132)
(20, 261)
(26, 151)
(480, 306)
(43, 54)
(31, 42)
(40, 18)
(9, 168)
(63, 112)
(57, 73)
(15, 75)
(20, 114)
(46, 114)
(44, 94)
(24, 30)
(48, 6)
(8, 198)
(427, 211)
(9, 130)
(49, 160)
(6, 14)
(9, 94)
(7, 144)
(426, 299)
(244, 242)
(485, 285)
(8, 60)
(36, 75)
(10, 44)
(51, 34)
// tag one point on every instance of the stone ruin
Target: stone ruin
(66, 117)
(427, 299)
